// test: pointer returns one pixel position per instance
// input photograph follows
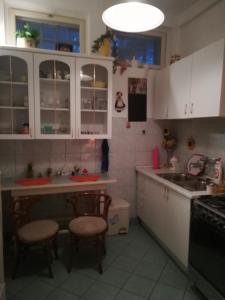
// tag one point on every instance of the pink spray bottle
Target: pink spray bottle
(155, 157)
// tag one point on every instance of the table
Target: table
(58, 185)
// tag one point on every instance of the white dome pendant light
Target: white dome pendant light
(133, 16)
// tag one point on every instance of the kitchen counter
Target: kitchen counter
(148, 171)
(59, 184)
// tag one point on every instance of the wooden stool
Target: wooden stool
(32, 232)
(90, 222)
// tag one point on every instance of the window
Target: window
(54, 30)
(147, 49)
(51, 34)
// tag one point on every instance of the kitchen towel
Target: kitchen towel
(105, 156)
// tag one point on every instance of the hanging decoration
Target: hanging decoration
(119, 104)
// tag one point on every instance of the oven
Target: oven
(207, 240)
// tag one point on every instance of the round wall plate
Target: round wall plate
(196, 164)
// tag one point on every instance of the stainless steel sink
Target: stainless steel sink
(191, 183)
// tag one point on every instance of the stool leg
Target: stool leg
(55, 248)
(99, 253)
(17, 261)
(103, 242)
(47, 254)
(70, 261)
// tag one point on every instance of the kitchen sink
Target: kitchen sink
(191, 183)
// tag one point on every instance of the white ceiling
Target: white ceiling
(173, 7)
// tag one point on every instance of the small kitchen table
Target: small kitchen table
(57, 185)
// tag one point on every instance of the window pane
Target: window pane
(145, 48)
(52, 33)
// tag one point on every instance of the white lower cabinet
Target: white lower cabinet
(166, 213)
(177, 223)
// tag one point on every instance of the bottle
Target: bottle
(218, 170)
(155, 157)
(174, 163)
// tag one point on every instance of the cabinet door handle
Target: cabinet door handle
(166, 193)
(185, 109)
(192, 106)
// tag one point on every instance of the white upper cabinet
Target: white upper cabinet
(16, 96)
(207, 79)
(194, 86)
(179, 89)
(54, 96)
(93, 93)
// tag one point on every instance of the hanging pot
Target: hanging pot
(105, 48)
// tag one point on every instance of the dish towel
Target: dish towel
(105, 156)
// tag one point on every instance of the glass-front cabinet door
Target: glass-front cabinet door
(94, 96)
(16, 95)
(54, 96)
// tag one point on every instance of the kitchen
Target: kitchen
(129, 147)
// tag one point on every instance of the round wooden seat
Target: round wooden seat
(88, 226)
(37, 231)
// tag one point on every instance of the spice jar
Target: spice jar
(25, 128)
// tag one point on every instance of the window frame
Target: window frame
(14, 13)
(163, 36)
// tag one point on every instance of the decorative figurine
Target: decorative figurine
(119, 104)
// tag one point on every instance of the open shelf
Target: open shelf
(54, 109)
(14, 82)
(50, 80)
(14, 107)
(93, 88)
(94, 110)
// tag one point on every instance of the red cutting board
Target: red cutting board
(84, 178)
(33, 181)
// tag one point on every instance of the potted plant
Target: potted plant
(26, 37)
(106, 45)
(103, 44)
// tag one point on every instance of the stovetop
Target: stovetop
(216, 203)
(211, 209)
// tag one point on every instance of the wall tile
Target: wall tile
(58, 147)
(24, 147)
(73, 146)
(7, 147)
(7, 165)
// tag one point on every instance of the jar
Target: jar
(25, 128)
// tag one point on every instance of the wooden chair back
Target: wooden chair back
(21, 211)
(90, 204)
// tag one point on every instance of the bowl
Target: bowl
(98, 84)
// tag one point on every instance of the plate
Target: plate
(84, 178)
(196, 164)
(85, 77)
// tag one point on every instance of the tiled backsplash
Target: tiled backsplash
(128, 147)
(208, 133)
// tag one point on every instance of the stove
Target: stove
(207, 241)
(211, 209)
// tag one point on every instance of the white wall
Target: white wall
(2, 23)
(203, 30)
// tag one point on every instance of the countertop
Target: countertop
(58, 182)
(150, 172)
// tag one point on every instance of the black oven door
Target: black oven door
(207, 251)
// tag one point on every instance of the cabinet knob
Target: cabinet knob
(185, 109)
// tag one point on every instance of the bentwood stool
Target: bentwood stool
(28, 232)
(89, 222)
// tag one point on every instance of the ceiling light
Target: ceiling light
(133, 17)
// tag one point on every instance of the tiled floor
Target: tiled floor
(135, 268)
